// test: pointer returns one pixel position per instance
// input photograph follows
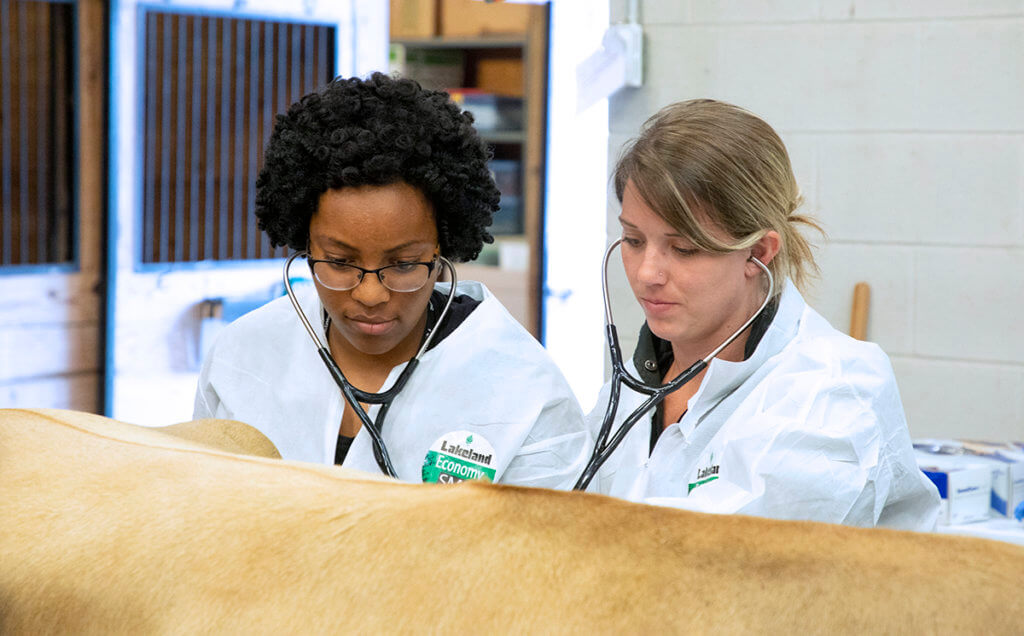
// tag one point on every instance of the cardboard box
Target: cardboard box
(984, 447)
(500, 75)
(965, 487)
(414, 19)
(474, 18)
(963, 493)
(434, 69)
(491, 113)
(1007, 467)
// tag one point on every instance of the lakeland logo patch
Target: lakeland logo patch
(458, 456)
(704, 475)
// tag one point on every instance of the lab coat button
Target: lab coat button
(650, 365)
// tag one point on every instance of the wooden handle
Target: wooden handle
(859, 313)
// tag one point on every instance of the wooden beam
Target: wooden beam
(92, 133)
(536, 72)
(859, 311)
(92, 140)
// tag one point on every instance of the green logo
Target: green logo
(705, 475)
(441, 468)
(458, 456)
(700, 483)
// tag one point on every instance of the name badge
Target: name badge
(458, 456)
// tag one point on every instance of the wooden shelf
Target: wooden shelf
(437, 42)
(516, 66)
(503, 136)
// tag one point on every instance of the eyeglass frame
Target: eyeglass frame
(431, 264)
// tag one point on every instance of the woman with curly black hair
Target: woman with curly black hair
(377, 180)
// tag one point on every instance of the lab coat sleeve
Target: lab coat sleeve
(828, 466)
(555, 450)
(207, 402)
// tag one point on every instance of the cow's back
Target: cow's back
(121, 532)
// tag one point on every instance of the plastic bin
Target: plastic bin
(508, 177)
(491, 112)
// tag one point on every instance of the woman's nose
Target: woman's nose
(370, 291)
(651, 270)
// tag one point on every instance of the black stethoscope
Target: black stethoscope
(603, 447)
(353, 395)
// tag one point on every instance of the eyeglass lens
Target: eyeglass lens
(403, 277)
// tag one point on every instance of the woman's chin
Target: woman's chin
(679, 336)
(663, 329)
(371, 345)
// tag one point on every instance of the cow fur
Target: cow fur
(110, 528)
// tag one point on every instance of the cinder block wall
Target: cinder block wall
(905, 124)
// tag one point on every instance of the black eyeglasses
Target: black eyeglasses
(400, 277)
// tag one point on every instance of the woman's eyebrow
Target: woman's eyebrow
(669, 234)
(408, 244)
(337, 243)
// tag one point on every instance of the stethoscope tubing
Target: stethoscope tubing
(354, 396)
(603, 446)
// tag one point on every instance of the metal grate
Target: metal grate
(36, 132)
(212, 89)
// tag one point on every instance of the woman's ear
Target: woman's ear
(440, 273)
(766, 248)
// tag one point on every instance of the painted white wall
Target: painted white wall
(905, 124)
(574, 220)
(50, 338)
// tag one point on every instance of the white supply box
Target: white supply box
(964, 485)
(1007, 465)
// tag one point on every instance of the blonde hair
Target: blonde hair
(724, 163)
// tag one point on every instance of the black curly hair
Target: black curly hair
(378, 131)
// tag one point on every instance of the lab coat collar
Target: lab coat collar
(723, 377)
(312, 305)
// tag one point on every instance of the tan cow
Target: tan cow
(106, 527)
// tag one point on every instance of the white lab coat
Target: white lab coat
(810, 427)
(489, 377)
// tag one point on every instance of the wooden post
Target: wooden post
(91, 60)
(536, 52)
(859, 311)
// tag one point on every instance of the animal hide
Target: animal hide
(111, 528)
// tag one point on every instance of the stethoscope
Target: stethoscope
(353, 395)
(603, 448)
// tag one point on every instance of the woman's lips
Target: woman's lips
(653, 306)
(372, 326)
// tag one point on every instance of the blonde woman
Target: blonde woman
(793, 420)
